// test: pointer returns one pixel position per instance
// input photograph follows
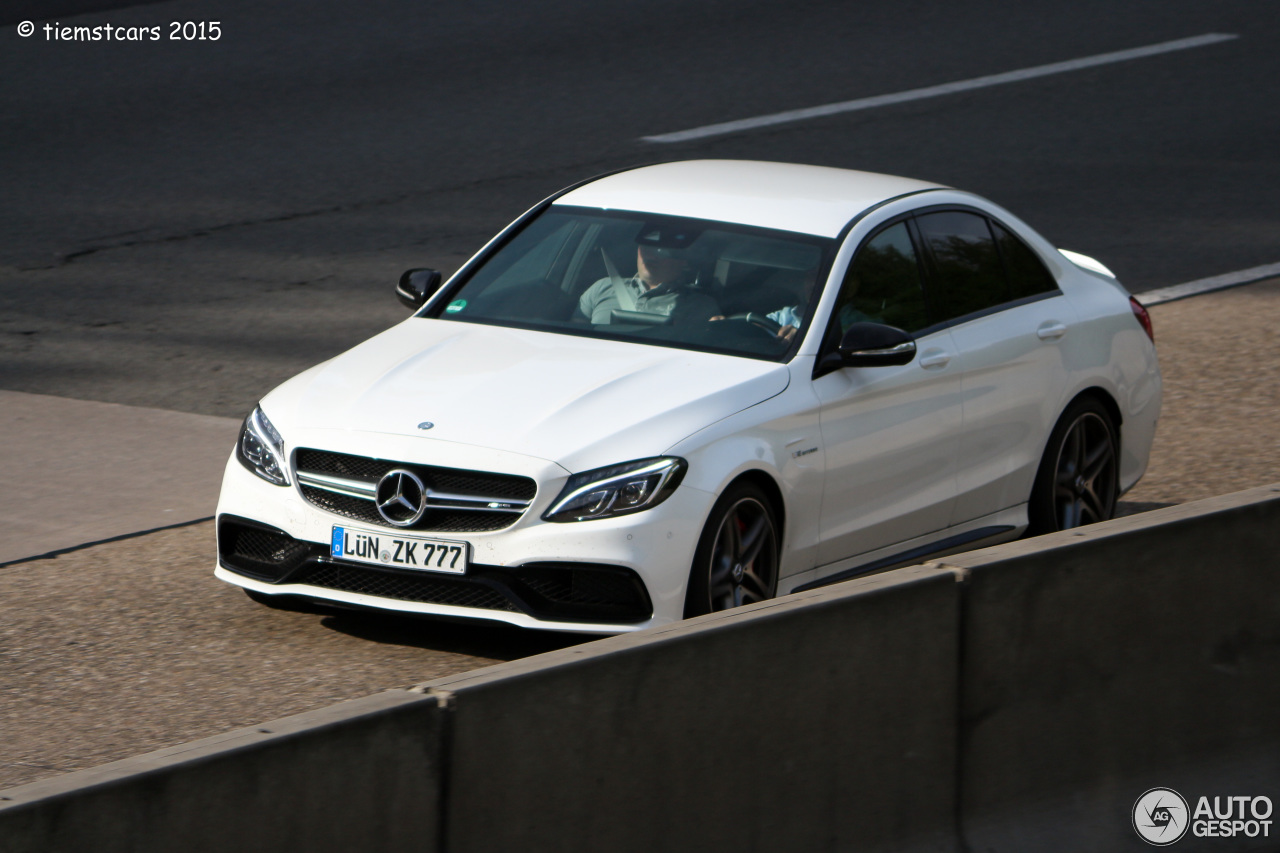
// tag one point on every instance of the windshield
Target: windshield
(684, 283)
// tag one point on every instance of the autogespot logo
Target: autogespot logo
(1160, 816)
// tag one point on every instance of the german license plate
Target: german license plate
(396, 551)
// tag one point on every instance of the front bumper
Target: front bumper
(606, 576)
(578, 596)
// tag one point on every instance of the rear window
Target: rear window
(1027, 273)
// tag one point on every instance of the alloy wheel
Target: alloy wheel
(744, 558)
(1085, 475)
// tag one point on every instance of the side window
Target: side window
(883, 284)
(1027, 273)
(969, 276)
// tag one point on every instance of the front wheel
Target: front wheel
(736, 561)
(1078, 479)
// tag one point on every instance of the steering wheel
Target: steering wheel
(760, 321)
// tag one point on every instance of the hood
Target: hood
(576, 401)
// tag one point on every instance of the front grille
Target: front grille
(479, 483)
(483, 485)
(342, 464)
(356, 508)
(403, 586)
(435, 520)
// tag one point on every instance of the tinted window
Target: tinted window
(969, 276)
(1027, 273)
(883, 284)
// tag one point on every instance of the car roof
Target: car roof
(807, 199)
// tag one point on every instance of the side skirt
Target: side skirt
(915, 555)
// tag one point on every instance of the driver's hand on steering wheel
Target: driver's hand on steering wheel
(786, 333)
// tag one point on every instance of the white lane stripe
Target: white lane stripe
(937, 91)
(1206, 285)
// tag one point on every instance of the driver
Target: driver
(660, 286)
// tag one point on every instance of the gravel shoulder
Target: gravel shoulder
(1219, 428)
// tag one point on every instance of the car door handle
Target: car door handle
(935, 358)
(1051, 331)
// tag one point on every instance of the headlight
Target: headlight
(261, 449)
(617, 490)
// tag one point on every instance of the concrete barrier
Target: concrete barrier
(360, 775)
(1100, 663)
(819, 721)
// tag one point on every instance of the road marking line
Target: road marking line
(937, 91)
(1207, 285)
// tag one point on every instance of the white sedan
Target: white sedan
(686, 387)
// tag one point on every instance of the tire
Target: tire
(736, 561)
(1078, 479)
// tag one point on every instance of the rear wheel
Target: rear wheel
(1078, 479)
(736, 561)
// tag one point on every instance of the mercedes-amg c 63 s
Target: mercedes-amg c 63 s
(682, 388)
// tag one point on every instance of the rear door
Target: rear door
(1008, 318)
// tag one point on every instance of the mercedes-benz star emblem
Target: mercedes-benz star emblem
(401, 497)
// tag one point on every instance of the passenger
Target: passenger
(791, 317)
(661, 285)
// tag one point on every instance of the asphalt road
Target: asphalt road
(183, 224)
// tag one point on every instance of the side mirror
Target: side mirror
(417, 285)
(876, 345)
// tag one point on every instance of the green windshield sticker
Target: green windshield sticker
(455, 306)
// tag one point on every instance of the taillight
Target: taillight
(1143, 317)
